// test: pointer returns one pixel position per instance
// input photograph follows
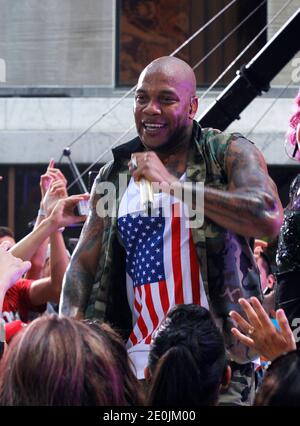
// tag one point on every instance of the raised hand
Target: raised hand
(147, 165)
(63, 213)
(259, 332)
(52, 175)
(55, 192)
(11, 268)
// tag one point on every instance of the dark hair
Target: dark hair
(281, 383)
(187, 359)
(265, 258)
(59, 361)
(6, 232)
(133, 390)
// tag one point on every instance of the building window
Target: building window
(152, 28)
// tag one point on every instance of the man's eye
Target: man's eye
(140, 98)
(167, 100)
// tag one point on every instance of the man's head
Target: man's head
(6, 234)
(165, 104)
(267, 278)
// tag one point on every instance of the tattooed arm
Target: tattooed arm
(79, 277)
(251, 206)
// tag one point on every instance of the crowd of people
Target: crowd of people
(152, 307)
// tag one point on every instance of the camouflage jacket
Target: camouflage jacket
(226, 260)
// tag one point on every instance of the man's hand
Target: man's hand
(63, 213)
(150, 167)
(56, 191)
(53, 186)
(260, 333)
(11, 268)
(52, 175)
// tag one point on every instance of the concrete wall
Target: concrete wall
(33, 130)
(61, 42)
(80, 52)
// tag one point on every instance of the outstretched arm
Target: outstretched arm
(62, 215)
(11, 269)
(48, 201)
(79, 277)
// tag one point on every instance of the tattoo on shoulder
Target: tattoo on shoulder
(246, 166)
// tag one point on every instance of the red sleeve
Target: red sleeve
(12, 328)
(23, 289)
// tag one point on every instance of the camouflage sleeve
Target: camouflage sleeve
(220, 142)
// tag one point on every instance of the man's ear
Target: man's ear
(147, 374)
(271, 281)
(193, 107)
(226, 378)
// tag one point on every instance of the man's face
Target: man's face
(163, 109)
(267, 280)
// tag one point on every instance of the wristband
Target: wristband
(41, 212)
(2, 330)
(2, 336)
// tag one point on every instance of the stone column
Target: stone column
(284, 77)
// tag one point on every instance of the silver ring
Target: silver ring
(251, 331)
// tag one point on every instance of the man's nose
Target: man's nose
(152, 107)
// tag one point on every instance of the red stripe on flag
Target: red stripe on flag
(176, 256)
(194, 271)
(151, 310)
(164, 297)
(133, 338)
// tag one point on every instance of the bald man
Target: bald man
(133, 265)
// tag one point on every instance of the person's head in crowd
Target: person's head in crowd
(187, 364)
(281, 383)
(6, 234)
(134, 392)
(267, 277)
(59, 361)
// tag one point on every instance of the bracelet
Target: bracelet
(41, 212)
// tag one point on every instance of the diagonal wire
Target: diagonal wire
(268, 109)
(212, 85)
(133, 88)
(100, 156)
(202, 28)
(208, 54)
(244, 50)
(228, 35)
(100, 118)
